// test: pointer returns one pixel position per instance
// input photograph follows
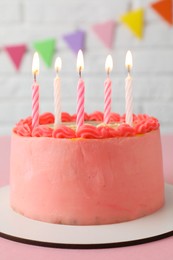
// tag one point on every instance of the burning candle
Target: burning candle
(108, 89)
(80, 91)
(57, 92)
(128, 89)
(35, 92)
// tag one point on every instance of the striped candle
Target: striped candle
(35, 92)
(80, 92)
(129, 100)
(35, 105)
(57, 93)
(108, 100)
(80, 103)
(108, 90)
(128, 90)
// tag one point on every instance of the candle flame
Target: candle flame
(80, 61)
(35, 64)
(58, 64)
(109, 64)
(129, 61)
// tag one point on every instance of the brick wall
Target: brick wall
(23, 21)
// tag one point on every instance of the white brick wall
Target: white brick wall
(25, 21)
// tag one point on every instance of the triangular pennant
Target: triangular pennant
(164, 9)
(134, 20)
(75, 40)
(46, 50)
(16, 53)
(105, 32)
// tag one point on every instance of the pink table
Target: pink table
(162, 249)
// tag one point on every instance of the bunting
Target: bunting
(134, 20)
(164, 8)
(46, 50)
(16, 53)
(105, 32)
(75, 40)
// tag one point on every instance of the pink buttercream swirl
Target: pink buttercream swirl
(27, 121)
(96, 116)
(64, 132)
(126, 130)
(46, 118)
(93, 132)
(108, 132)
(114, 118)
(88, 131)
(116, 128)
(146, 125)
(42, 130)
(22, 130)
(66, 117)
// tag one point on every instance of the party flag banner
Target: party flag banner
(164, 9)
(16, 53)
(105, 32)
(46, 50)
(134, 20)
(75, 40)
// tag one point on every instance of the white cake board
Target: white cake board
(18, 228)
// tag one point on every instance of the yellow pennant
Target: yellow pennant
(134, 20)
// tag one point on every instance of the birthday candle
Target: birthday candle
(80, 91)
(108, 90)
(57, 92)
(128, 90)
(35, 92)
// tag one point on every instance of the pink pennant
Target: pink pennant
(16, 53)
(105, 31)
(75, 40)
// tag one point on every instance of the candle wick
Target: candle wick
(35, 78)
(80, 72)
(108, 72)
(129, 70)
(57, 72)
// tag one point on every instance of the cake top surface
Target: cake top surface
(93, 127)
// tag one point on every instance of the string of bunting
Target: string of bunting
(133, 20)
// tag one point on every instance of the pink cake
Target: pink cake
(99, 174)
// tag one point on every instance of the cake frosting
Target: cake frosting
(97, 174)
(93, 127)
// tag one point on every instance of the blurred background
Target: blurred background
(59, 28)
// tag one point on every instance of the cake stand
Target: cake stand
(18, 228)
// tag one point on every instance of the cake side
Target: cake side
(86, 181)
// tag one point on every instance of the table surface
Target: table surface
(161, 249)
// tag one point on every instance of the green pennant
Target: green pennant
(46, 50)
